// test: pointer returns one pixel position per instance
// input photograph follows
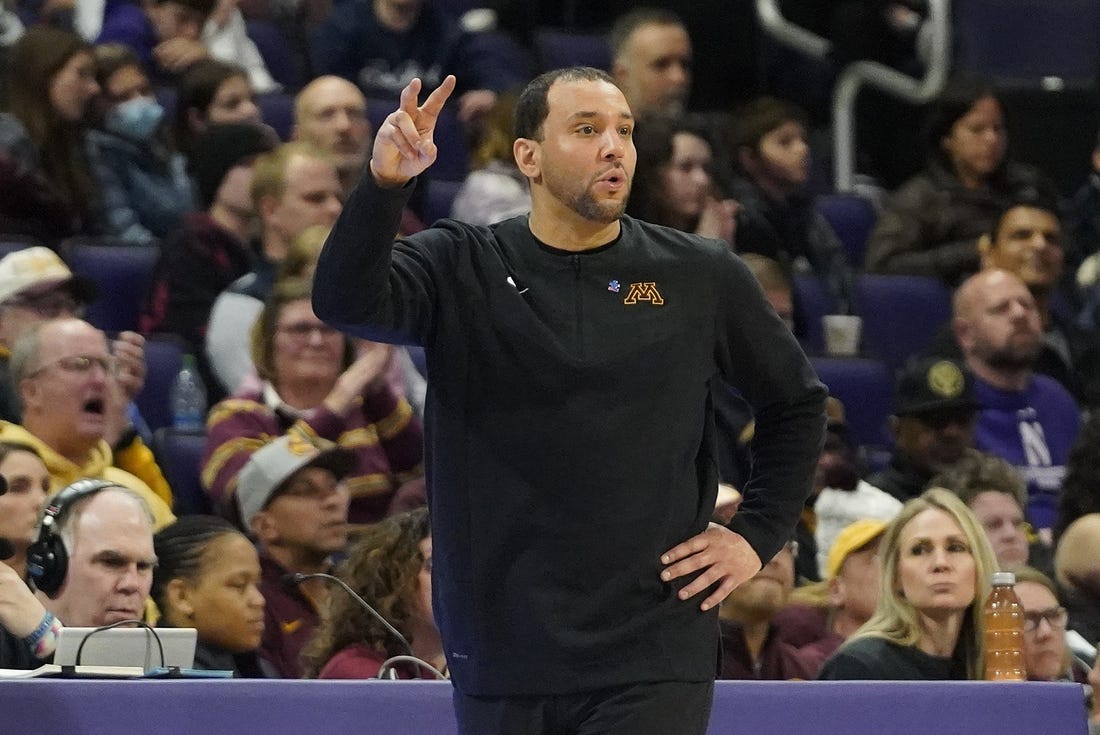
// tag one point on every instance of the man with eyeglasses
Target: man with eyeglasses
(932, 424)
(36, 286)
(292, 497)
(66, 377)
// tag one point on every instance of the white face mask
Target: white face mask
(136, 119)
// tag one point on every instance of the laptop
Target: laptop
(126, 647)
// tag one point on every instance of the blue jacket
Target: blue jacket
(145, 194)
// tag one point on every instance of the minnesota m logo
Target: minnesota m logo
(646, 291)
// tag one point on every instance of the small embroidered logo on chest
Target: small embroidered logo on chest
(645, 291)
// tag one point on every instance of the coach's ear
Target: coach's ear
(528, 154)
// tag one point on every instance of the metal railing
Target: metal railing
(937, 26)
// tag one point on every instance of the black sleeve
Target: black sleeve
(361, 285)
(760, 357)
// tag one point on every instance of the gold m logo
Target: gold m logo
(646, 291)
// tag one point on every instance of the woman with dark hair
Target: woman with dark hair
(207, 577)
(146, 190)
(316, 379)
(390, 567)
(935, 570)
(674, 182)
(933, 221)
(212, 92)
(49, 190)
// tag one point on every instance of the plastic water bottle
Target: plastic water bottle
(1004, 631)
(188, 398)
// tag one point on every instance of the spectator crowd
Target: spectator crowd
(220, 139)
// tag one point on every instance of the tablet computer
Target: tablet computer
(126, 647)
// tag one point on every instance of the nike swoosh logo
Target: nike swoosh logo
(289, 626)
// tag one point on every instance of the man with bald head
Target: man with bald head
(1025, 418)
(64, 373)
(331, 113)
(651, 61)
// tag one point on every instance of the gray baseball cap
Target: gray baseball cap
(268, 469)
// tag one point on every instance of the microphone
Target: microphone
(295, 579)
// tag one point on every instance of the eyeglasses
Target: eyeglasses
(1056, 618)
(302, 331)
(80, 364)
(49, 306)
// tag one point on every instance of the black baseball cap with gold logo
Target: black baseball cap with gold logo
(927, 385)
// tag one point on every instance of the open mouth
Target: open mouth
(614, 180)
(95, 406)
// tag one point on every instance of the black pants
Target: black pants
(665, 708)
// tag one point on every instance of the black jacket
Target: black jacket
(570, 434)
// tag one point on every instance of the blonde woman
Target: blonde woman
(935, 564)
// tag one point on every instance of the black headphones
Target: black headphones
(47, 559)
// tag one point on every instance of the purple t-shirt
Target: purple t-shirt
(1034, 430)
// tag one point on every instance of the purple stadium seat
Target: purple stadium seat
(437, 202)
(179, 454)
(811, 302)
(277, 109)
(163, 359)
(901, 315)
(276, 51)
(122, 273)
(866, 388)
(1021, 43)
(852, 218)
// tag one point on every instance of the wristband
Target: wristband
(43, 640)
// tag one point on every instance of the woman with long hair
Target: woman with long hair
(935, 570)
(212, 92)
(45, 173)
(674, 182)
(932, 222)
(207, 577)
(390, 567)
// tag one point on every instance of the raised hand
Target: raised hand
(362, 376)
(404, 145)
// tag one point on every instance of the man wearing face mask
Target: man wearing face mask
(144, 181)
